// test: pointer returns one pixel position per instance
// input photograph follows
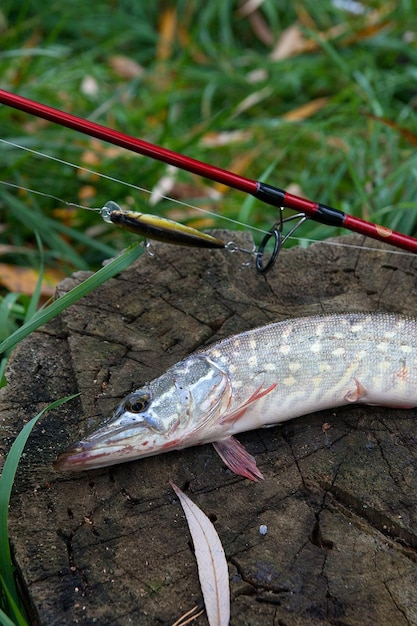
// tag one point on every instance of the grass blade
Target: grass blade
(92, 282)
(12, 604)
(6, 483)
(34, 301)
(4, 620)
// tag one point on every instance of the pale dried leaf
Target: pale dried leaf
(125, 67)
(261, 28)
(164, 185)
(291, 42)
(249, 7)
(239, 165)
(225, 138)
(89, 86)
(252, 99)
(257, 76)
(305, 111)
(211, 561)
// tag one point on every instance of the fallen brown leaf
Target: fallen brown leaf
(291, 42)
(167, 33)
(125, 67)
(23, 279)
(306, 110)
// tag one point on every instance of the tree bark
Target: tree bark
(339, 498)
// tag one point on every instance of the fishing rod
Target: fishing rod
(269, 194)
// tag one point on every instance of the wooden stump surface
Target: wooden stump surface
(339, 498)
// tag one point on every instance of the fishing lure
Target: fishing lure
(256, 379)
(169, 231)
(159, 228)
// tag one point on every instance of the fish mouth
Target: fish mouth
(83, 455)
(101, 449)
(75, 457)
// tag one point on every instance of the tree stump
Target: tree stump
(339, 498)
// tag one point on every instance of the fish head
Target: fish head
(180, 408)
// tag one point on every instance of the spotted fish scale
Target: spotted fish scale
(259, 378)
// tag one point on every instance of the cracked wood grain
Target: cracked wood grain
(110, 546)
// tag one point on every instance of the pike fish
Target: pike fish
(256, 379)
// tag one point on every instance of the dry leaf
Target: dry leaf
(24, 279)
(98, 150)
(164, 185)
(225, 138)
(252, 99)
(211, 561)
(305, 111)
(257, 76)
(291, 42)
(89, 86)
(167, 33)
(374, 21)
(261, 28)
(86, 193)
(408, 134)
(239, 165)
(249, 7)
(125, 67)
(295, 189)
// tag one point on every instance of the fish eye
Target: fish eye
(138, 402)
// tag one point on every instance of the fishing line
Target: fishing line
(338, 244)
(230, 245)
(48, 195)
(132, 186)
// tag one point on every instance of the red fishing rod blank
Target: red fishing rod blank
(267, 193)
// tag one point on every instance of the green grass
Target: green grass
(340, 155)
(11, 608)
(212, 92)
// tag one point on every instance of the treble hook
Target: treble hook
(279, 240)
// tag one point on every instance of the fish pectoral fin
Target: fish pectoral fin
(237, 413)
(358, 393)
(237, 458)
